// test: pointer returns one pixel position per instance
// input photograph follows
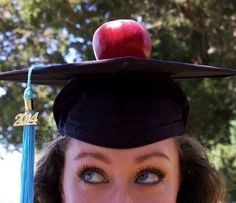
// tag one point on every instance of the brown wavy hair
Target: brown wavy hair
(200, 181)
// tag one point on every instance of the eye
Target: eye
(149, 177)
(92, 176)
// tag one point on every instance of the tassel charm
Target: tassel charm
(27, 118)
(23, 119)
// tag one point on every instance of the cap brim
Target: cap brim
(60, 74)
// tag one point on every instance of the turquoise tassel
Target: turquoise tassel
(28, 150)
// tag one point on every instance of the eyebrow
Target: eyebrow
(144, 157)
(103, 158)
(95, 155)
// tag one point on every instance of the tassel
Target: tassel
(28, 120)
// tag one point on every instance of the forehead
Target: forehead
(166, 147)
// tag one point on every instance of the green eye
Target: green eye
(92, 176)
(149, 177)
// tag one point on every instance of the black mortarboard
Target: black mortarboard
(121, 102)
(61, 74)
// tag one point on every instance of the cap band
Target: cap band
(123, 140)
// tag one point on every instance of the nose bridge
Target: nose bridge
(122, 194)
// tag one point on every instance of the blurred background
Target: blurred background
(60, 31)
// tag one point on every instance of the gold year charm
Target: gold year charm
(22, 119)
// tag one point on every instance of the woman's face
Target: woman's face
(101, 175)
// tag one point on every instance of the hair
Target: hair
(49, 168)
(200, 181)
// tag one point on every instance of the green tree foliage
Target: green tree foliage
(196, 31)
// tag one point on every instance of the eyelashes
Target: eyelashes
(92, 175)
(149, 176)
(144, 176)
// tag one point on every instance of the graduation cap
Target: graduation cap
(121, 102)
(99, 98)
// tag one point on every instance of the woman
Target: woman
(122, 133)
(114, 162)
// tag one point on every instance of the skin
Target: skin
(148, 174)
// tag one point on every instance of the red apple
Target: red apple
(121, 38)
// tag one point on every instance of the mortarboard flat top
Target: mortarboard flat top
(60, 74)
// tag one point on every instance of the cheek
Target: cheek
(169, 193)
(166, 192)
